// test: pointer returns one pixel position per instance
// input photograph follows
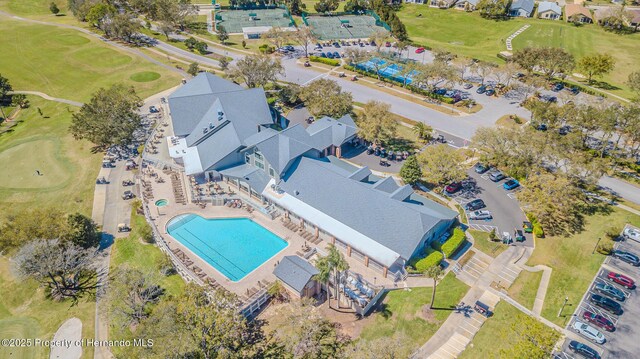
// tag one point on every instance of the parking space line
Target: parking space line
(511, 270)
(477, 320)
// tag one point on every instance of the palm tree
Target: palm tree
(423, 131)
(338, 264)
(434, 272)
(324, 267)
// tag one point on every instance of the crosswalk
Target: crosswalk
(452, 348)
(508, 275)
(483, 227)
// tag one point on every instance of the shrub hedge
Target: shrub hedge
(452, 244)
(324, 60)
(432, 259)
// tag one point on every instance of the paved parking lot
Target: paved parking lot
(623, 341)
(506, 212)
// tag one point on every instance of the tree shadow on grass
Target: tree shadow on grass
(604, 85)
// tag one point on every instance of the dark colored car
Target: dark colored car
(336, 55)
(453, 187)
(441, 92)
(511, 184)
(289, 48)
(128, 195)
(542, 127)
(610, 291)
(387, 44)
(558, 87)
(605, 303)
(583, 349)
(527, 226)
(564, 130)
(575, 90)
(481, 89)
(621, 279)
(329, 55)
(519, 236)
(480, 168)
(490, 92)
(626, 257)
(496, 176)
(598, 320)
(474, 205)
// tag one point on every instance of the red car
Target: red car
(623, 280)
(387, 44)
(598, 320)
(453, 187)
(419, 50)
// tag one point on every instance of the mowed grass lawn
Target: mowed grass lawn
(68, 64)
(402, 313)
(573, 263)
(68, 168)
(26, 313)
(525, 288)
(133, 252)
(470, 35)
(495, 335)
(482, 243)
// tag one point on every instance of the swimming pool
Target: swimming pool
(233, 246)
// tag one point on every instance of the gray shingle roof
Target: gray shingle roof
(281, 149)
(526, 5)
(387, 184)
(397, 225)
(549, 6)
(217, 116)
(295, 272)
(256, 177)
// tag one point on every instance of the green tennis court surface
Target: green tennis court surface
(343, 26)
(234, 20)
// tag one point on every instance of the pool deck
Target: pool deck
(264, 273)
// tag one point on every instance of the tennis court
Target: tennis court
(391, 71)
(234, 20)
(337, 27)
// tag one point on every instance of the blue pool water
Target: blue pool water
(233, 246)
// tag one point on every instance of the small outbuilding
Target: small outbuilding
(297, 276)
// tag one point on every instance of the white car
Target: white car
(479, 215)
(631, 233)
(589, 332)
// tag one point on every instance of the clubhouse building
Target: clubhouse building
(224, 132)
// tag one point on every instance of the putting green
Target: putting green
(24, 159)
(19, 328)
(145, 76)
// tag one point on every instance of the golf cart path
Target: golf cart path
(47, 97)
(70, 332)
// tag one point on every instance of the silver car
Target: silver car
(589, 332)
(631, 233)
(479, 215)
